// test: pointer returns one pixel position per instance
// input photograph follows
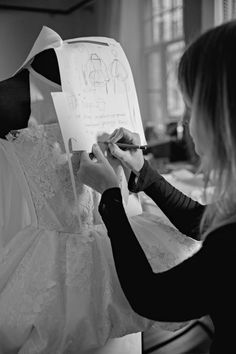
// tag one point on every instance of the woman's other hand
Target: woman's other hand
(98, 175)
(132, 158)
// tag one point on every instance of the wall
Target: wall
(198, 17)
(192, 19)
(208, 13)
(19, 29)
(83, 22)
(131, 36)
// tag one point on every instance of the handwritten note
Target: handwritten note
(98, 91)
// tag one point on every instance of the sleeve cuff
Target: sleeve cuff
(109, 197)
(111, 194)
(110, 206)
(146, 177)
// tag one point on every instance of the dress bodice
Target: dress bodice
(42, 157)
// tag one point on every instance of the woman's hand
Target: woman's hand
(132, 158)
(98, 175)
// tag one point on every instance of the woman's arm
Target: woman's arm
(181, 210)
(184, 292)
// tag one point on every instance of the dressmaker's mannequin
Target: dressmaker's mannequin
(15, 111)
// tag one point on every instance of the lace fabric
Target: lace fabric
(59, 288)
(41, 153)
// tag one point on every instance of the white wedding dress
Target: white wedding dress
(59, 292)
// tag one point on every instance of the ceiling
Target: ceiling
(52, 6)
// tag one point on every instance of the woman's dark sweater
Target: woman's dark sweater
(201, 285)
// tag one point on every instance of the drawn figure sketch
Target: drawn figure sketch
(118, 74)
(97, 72)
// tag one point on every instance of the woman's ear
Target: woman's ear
(14, 103)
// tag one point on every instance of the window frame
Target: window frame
(161, 47)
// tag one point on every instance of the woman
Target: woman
(203, 284)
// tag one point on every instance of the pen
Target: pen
(131, 146)
(124, 146)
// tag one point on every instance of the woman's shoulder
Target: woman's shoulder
(223, 234)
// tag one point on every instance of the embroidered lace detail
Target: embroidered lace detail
(91, 273)
(168, 248)
(79, 259)
(40, 150)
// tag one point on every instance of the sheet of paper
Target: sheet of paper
(98, 89)
(73, 133)
(72, 127)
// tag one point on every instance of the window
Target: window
(163, 46)
(225, 10)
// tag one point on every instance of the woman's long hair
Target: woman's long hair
(207, 78)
